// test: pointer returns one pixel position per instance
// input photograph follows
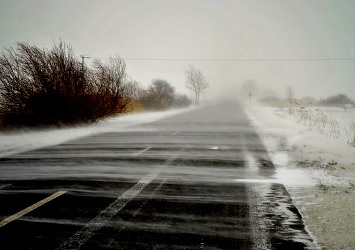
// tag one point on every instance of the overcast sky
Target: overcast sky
(202, 31)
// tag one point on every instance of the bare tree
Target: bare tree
(249, 87)
(196, 82)
(290, 93)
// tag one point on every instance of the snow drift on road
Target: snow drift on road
(24, 140)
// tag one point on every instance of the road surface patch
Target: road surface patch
(82, 236)
(30, 208)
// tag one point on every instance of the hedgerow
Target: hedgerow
(51, 87)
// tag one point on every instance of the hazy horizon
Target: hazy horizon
(306, 44)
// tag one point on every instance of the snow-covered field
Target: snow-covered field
(318, 171)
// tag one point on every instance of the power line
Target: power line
(232, 60)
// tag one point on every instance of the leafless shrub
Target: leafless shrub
(135, 92)
(181, 101)
(109, 81)
(134, 89)
(51, 87)
(159, 96)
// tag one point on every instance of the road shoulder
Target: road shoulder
(326, 197)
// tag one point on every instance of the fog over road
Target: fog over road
(198, 180)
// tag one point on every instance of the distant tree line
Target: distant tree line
(42, 87)
(160, 95)
(338, 100)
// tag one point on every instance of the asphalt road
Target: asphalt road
(198, 180)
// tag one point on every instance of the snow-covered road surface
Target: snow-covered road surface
(198, 179)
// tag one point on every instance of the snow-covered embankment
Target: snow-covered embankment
(318, 171)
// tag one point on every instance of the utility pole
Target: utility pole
(82, 61)
(82, 69)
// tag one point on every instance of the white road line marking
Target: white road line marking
(142, 205)
(82, 236)
(177, 132)
(142, 151)
(30, 208)
(5, 186)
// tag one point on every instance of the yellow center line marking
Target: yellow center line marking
(142, 151)
(30, 208)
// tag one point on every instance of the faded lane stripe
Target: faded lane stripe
(82, 236)
(4, 186)
(31, 208)
(139, 209)
(142, 151)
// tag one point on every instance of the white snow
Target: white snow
(290, 143)
(317, 171)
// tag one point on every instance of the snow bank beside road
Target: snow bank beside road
(24, 140)
(327, 202)
(292, 145)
